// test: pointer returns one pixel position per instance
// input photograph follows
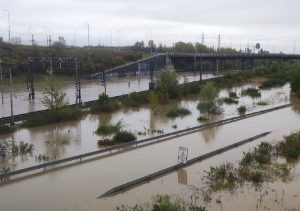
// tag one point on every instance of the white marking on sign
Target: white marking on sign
(182, 154)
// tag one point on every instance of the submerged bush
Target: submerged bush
(167, 84)
(11, 150)
(222, 177)
(105, 104)
(107, 129)
(262, 103)
(202, 119)
(275, 82)
(247, 159)
(256, 176)
(209, 100)
(229, 100)
(191, 88)
(53, 116)
(176, 112)
(163, 203)
(290, 146)
(242, 110)
(262, 153)
(5, 129)
(233, 95)
(136, 99)
(124, 136)
(252, 92)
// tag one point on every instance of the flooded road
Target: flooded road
(90, 90)
(67, 139)
(77, 187)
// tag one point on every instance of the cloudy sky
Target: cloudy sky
(273, 23)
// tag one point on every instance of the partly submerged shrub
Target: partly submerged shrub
(176, 112)
(136, 99)
(252, 92)
(124, 136)
(5, 129)
(107, 129)
(229, 100)
(242, 110)
(53, 116)
(105, 104)
(274, 82)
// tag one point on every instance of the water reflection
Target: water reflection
(296, 101)
(182, 177)
(210, 134)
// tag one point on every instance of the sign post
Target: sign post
(182, 154)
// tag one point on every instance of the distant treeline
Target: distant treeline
(91, 60)
(99, 58)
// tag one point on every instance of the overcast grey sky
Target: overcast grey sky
(273, 23)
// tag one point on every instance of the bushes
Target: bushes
(295, 82)
(136, 99)
(106, 129)
(274, 82)
(191, 88)
(11, 150)
(262, 103)
(229, 100)
(124, 136)
(290, 146)
(51, 117)
(256, 176)
(209, 100)
(202, 119)
(233, 95)
(167, 83)
(242, 110)
(247, 159)
(6, 129)
(105, 104)
(252, 92)
(176, 112)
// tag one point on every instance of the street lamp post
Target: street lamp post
(1, 82)
(119, 39)
(88, 30)
(8, 24)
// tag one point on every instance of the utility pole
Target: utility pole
(45, 27)
(89, 36)
(111, 39)
(50, 41)
(8, 24)
(219, 42)
(1, 82)
(32, 40)
(88, 31)
(11, 99)
(202, 38)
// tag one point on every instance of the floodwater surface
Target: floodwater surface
(90, 90)
(72, 138)
(77, 187)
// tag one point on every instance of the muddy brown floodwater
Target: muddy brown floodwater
(77, 187)
(90, 90)
(67, 139)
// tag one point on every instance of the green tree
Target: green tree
(167, 84)
(209, 99)
(59, 47)
(53, 96)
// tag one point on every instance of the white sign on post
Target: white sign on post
(182, 154)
